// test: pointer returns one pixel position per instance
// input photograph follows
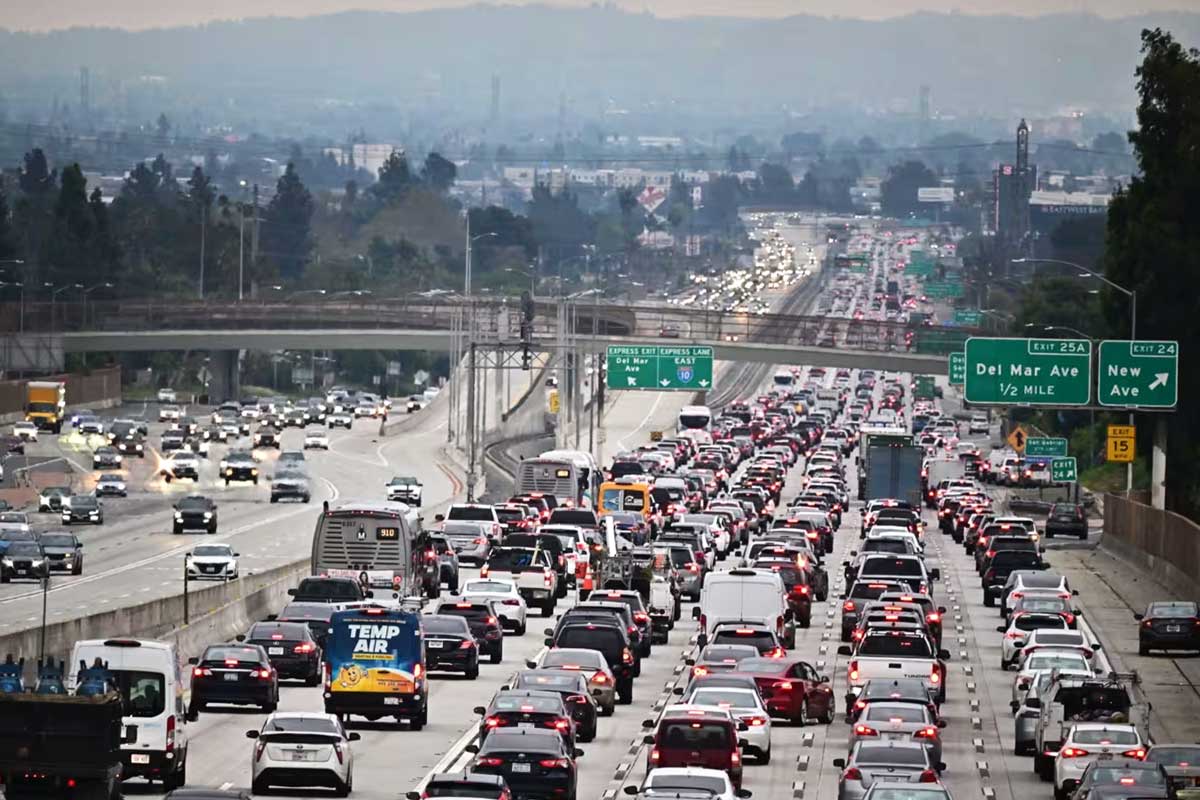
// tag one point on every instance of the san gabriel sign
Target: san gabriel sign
(1034, 372)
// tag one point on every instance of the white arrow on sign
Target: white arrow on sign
(665, 382)
(1160, 379)
(703, 383)
(632, 381)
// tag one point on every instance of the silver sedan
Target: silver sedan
(902, 722)
(870, 761)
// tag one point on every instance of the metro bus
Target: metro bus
(570, 476)
(695, 418)
(379, 544)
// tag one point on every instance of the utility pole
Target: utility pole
(203, 236)
(254, 246)
(471, 432)
(241, 249)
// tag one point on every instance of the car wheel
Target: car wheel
(988, 600)
(472, 671)
(212, 528)
(1083, 536)
(342, 790)
(765, 758)
(519, 629)
(1049, 535)
(827, 717)
(269, 708)
(625, 691)
(1143, 650)
(497, 655)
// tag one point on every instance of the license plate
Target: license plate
(139, 758)
(301, 756)
(519, 767)
(274, 651)
(391, 701)
(1174, 628)
(524, 724)
(231, 676)
(435, 645)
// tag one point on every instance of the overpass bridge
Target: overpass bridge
(424, 323)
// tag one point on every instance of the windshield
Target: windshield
(897, 756)
(281, 724)
(211, 550)
(725, 698)
(896, 713)
(511, 559)
(1056, 661)
(472, 513)
(24, 550)
(143, 692)
(445, 624)
(896, 646)
(1104, 736)
(1175, 756)
(487, 587)
(574, 659)
(688, 783)
(57, 540)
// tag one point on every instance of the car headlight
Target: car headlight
(8, 562)
(229, 472)
(253, 472)
(37, 562)
(208, 515)
(139, 447)
(178, 515)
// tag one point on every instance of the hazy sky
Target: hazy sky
(29, 15)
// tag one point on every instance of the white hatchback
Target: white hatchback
(1087, 742)
(302, 748)
(508, 600)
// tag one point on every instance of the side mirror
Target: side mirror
(840, 763)
(241, 637)
(1013, 668)
(578, 753)
(632, 791)
(480, 710)
(1079, 612)
(943, 654)
(531, 664)
(548, 642)
(251, 734)
(648, 739)
(1045, 564)
(237, 555)
(1018, 645)
(1096, 647)
(472, 748)
(504, 687)
(942, 723)
(1015, 706)
(193, 661)
(1000, 629)
(702, 640)
(1138, 617)
(696, 612)
(941, 609)
(678, 690)
(744, 793)
(1075, 593)
(1033, 702)
(412, 796)
(844, 650)
(439, 517)
(354, 737)
(272, 617)
(548, 631)
(291, 592)
(940, 766)
(822, 679)
(370, 594)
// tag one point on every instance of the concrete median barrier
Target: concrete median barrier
(217, 613)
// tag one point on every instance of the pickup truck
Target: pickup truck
(888, 655)
(531, 569)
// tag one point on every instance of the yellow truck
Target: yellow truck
(46, 404)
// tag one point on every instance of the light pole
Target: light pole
(54, 293)
(187, 561)
(88, 291)
(1084, 272)
(472, 433)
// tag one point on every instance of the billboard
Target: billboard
(935, 194)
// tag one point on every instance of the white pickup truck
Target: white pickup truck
(892, 654)
(531, 569)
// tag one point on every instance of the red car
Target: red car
(791, 689)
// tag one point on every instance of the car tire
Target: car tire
(1083, 536)
(77, 569)
(609, 710)
(269, 708)
(212, 529)
(342, 790)
(519, 629)
(497, 655)
(548, 608)
(472, 671)
(313, 680)
(1143, 650)
(988, 600)
(178, 529)
(764, 758)
(625, 691)
(274, 499)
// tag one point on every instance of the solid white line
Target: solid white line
(657, 399)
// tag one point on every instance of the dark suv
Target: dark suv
(484, 624)
(696, 738)
(609, 640)
(1067, 519)
(290, 646)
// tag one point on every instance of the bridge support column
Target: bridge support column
(225, 381)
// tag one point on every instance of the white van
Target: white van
(148, 677)
(746, 595)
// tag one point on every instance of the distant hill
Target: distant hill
(598, 58)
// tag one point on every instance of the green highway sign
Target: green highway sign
(1062, 470)
(1139, 373)
(943, 289)
(958, 368)
(660, 368)
(1045, 446)
(970, 317)
(922, 387)
(1033, 372)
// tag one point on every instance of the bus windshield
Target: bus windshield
(695, 418)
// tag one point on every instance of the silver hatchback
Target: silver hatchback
(890, 761)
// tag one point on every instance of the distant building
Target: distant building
(1047, 209)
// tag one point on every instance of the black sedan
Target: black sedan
(291, 647)
(82, 508)
(133, 445)
(1169, 625)
(195, 512)
(450, 645)
(1067, 519)
(106, 458)
(526, 708)
(535, 763)
(484, 622)
(63, 551)
(234, 674)
(572, 685)
(23, 560)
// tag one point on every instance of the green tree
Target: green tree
(1153, 242)
(33, 212)
(439, 172)
(74, 227)
(287, 225)
(395, 179)
(899, 190)
(8, 245)
(775, 184)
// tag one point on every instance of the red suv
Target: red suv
(694, 737)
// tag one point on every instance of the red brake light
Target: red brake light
(488, 761)
(1073, 752)
(853, 671)
(552, 763)
(863, 730)
(1138, 753)
(852, 774)
(927, 733)
(933, 617)
(493, 722)
(304, 647)
(928, 776)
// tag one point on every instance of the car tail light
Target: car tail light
(328, 670)
(554, 763)
(1070, 618)
(735, 758)
(304, 647)
(599, 677)
(853, 671)
(927, 733)
(693, 567)
(755, 722)
(170, 733)
(654, 755)
(935, 675)
(699, 671)
(933, 617)
(493, 722)
(492, 621)
(418, 672)
(864, 730)
(641, 616)
(576, 698)
(1015, 634)
(488, 761)
(337, 751)
(480, 540)
(1138, 753)
(483, 571)
(1147, 623)
(800, 589)
(1018, 595)
(852, 774)
(848, 605)
(466, 645)
(626, 655)
(783, 686)
(201, 672)
(259, 748)
(928, 776)
(989, 554)
(559, 724)
(859, 705)
(1073, 752)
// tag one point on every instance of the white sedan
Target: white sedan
(1018, 630)
(508, 601)
(688, 782)
(1067, 662)
(216, 561)
(316, 439)
(1088, 741)
(302, 748)
(25, 431)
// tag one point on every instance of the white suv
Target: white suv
(302, 748)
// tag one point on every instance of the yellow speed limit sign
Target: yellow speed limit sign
(552, 401)
(1121, 440)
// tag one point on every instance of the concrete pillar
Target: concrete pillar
(1158, 464)
(225, 383)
